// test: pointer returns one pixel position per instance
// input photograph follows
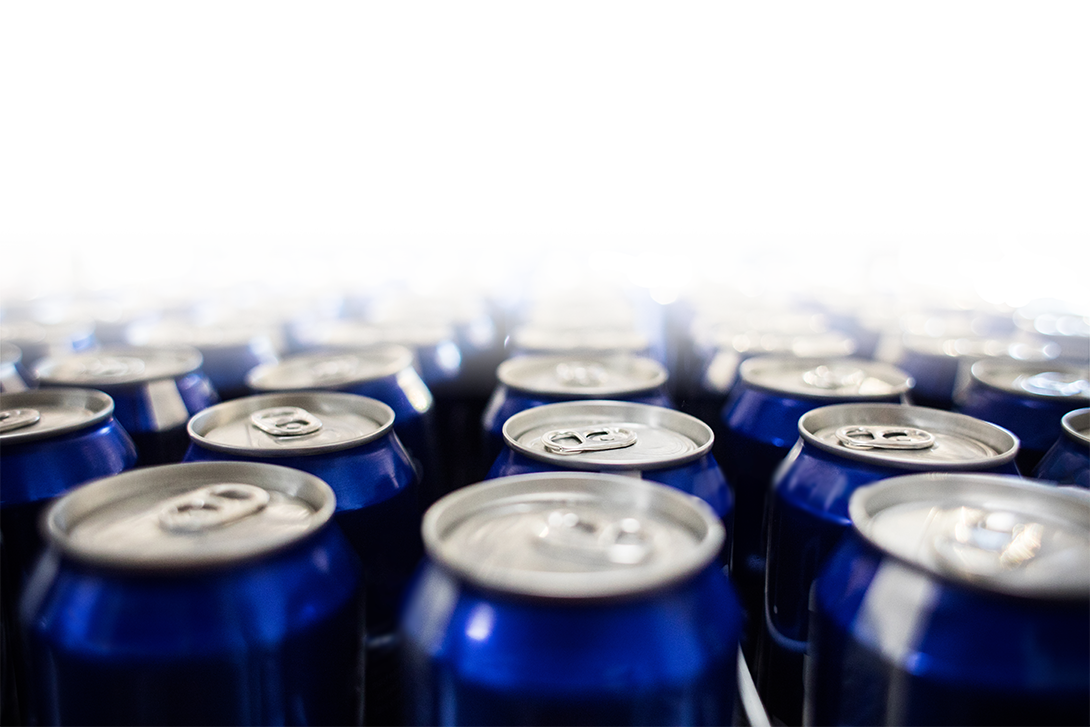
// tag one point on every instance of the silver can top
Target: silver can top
(997, 532)
(217, 335)
(352, 335)
(908, 437)
(807, 345)
(30, 416)
(119, 366)
(1076, 426)
(589, 377)
(1051, 381)
(563, 340)
(330, 370)
(570, 535)
(821, 378)
(188, 516)
(608, 436)
(291, 424)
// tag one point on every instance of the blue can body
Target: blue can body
(972, 658)
(547, 663)
(1068, 461)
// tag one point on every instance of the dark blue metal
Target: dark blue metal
(260, 642)
(1068, 461)
(979, 658)
(667, 657)
(935, 375)
(227, 366)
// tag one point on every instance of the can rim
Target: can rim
(329, 402)
(512, 373)
(400, 358)
(75, 506)
(1001, 440)
(445, 515)
(606, 411)
(98, 402)
(186, 360)
(900, 382)
(1062, 503)
(983, 372)
(1075, 423)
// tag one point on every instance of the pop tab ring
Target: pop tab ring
(869, 436)
(834, 377)
(12, 419)
(286, 421)
(211, 507)
(581, 373)
(590, 439)
(577, 537)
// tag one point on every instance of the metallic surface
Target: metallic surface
(1068, 461)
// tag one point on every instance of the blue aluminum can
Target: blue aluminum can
(228, 350)
(841, 448)
(205, 593)
(529, 381)
(619, 437)
(155, 392)
(348, 441)
(381, 372)
(534, 338)
(1068, 462)
(761, 423)
(45, 340)
(955, 599)
(941, 365)
(571, 598)
(51, 440)
(1030, 399)
(13, 375)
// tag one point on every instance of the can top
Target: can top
(348, 334)
(908, 437)
(826, 378)
(809, 345)
(1076, 425)
(1001, 533)
(212, 335)
(1051, 381)
(980, 348)
(556, 340)
(591, 377)
(187, 516)
(31, 416)
(10, 354)
(291, 424)
(119, 365)
(572, 535)
(33, 332)
(608, 435)
(330, 370)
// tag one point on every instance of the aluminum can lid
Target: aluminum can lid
(213, 335)
(980, 348)
(1001, 533)
(1051, 381)
(32, 332)
(908, 437)
(291, 424)
(556, 340)
(825, 378)
(330, 370)
(31, 416)
(591, 377)
(358, 334)
(1076, 425)
(187, 516)
(119, 366)
(608, 435)
(570, 535)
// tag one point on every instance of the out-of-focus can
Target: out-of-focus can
(1068, 462)
(348, 441)
(13, 375)
(571, 598)
(227, 578)
(155, 391)
(956, 599)
(382, 372)
(841, 448)
(529, 381)
(51, 440)
(941, 366)
(619, 437)
(45, 340)
(579, 341)
(1060, 323)
(761, 425)
(1030, 399)
(228, 350)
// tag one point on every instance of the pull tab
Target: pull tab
(875, 437)
(834, 377)
(12, 419)
(572, 536)
(1055, 383)
(211, 507)
(334, 369)
(591, 439)
(286, 421)
(986, 543)
(112, 367)
(581, 373)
